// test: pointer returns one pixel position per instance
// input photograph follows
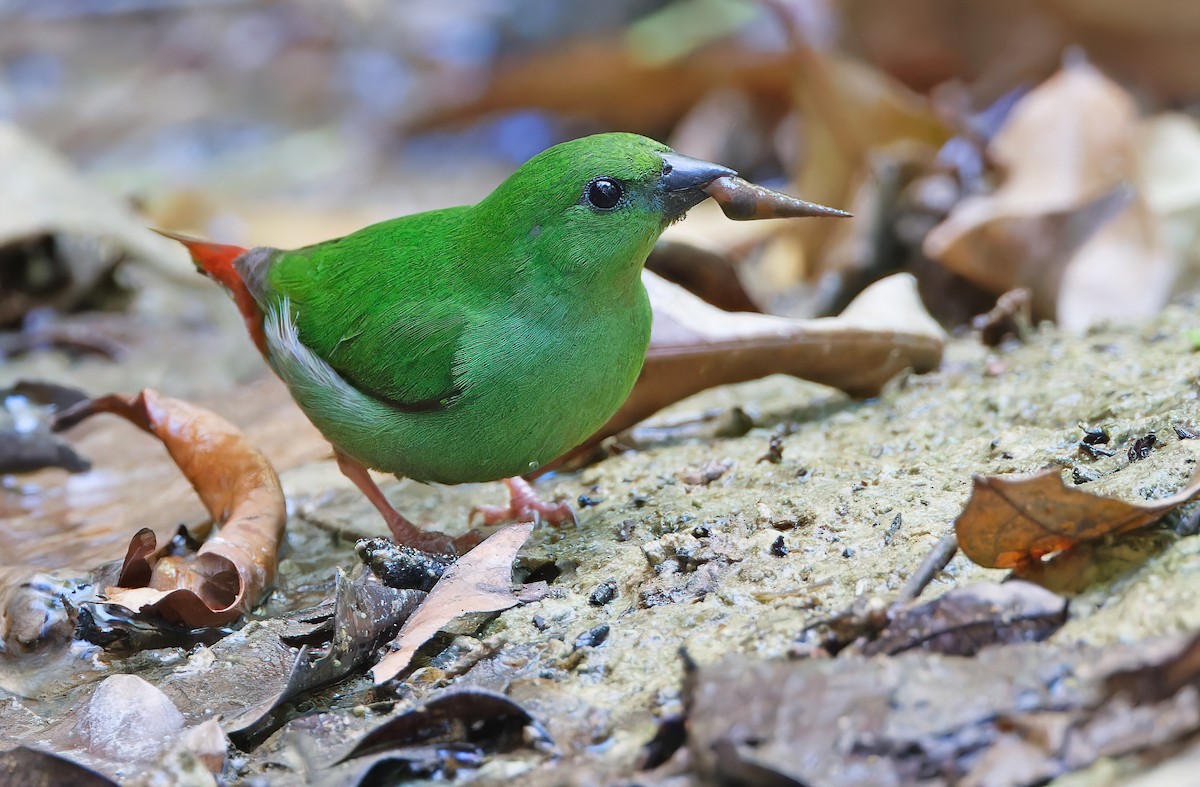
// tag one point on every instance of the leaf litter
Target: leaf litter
(1013, 715)
(808, 524)
(479, 581)
(229, 572)
(1016, 522)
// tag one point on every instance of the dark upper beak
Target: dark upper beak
(683, 181)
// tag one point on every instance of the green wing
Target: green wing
(379, 308)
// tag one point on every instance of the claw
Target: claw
(403, 531)
(525, 506)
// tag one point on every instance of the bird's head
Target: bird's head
(594, 207)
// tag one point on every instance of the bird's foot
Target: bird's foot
(431, 541)
(403, 531)
(525, 506)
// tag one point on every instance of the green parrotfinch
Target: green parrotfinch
(478, 342)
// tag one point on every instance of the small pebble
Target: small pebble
(603, 594)
(592, 638)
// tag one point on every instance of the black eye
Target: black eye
(604, 193)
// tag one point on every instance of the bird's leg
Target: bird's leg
(525, 506)
(403, 531)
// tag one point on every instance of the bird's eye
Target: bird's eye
(604, 193)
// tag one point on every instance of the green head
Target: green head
(592, 208)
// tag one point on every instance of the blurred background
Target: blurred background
(1041, 144)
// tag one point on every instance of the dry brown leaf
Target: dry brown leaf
(1013, 522)
(695, 346)
(965, 620)
(238, 487)
(91, 231)
(849, 111)
(479, 581)
(702, 272)
(606, 79)
(1005, 716)
(1056, 224)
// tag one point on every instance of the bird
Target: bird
(478, 342)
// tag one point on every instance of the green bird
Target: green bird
(477, 342)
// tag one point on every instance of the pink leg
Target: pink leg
(525, 506)
(403, 531)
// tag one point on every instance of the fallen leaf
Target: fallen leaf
(1153, 683)
(458, 718)
(964, 620)
(237, 678)
(1012, 522)
(26, 442)
(695, 346)
(128, 728)
(607, 80)
(365, 614)
(1010, 715)
(961, 622)
(1068, 221)
(238, 487)
(847, 112)
(703, 272)
(1169, 149)
(26, 767)
(479, 581)
(57, 228)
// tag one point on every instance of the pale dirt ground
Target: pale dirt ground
(697, 568)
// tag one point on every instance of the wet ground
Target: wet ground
(716, 545)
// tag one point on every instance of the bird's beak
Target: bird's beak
(683, 181)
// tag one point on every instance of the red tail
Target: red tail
(215, 260)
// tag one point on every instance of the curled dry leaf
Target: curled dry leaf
(479, 581)
(695, 346)
(238, 487)
(1012, 522)
(1064, 223)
